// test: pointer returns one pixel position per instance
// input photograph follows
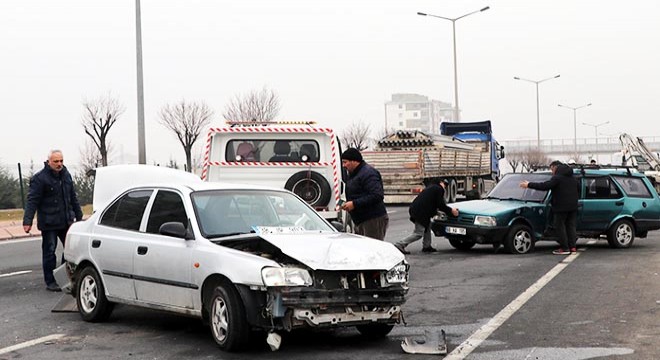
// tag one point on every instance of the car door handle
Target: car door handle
(96, 244)
(619, 203)
(142, 250)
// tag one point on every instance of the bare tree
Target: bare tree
(514, 158)
(99, 115)
(356, 135)
(186, 120)
(90, 158)
(533, 158)
(257, 106)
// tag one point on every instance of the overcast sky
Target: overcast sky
(334, 61)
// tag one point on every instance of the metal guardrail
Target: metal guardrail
(604, 145)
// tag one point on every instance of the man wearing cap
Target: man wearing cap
(564, 204)
(364, 195)
(422, 209)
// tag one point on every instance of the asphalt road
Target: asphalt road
(600, 304)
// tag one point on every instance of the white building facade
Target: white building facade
(416, 112)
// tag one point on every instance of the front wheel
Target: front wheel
(519, 239)
(375, 331)
(461, 244)
(228, 321)
(90, 296)
(621, 235)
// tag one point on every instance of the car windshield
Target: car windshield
(223, 213)
(509, 188)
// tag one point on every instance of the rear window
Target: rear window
(272, 150)
(633, 186)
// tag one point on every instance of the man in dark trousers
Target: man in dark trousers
(564, 204)
(364, 195)
(422, 209)
(54, 199)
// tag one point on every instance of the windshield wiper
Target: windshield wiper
(214, 236)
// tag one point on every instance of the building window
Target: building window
(415, 114)
(400, 106)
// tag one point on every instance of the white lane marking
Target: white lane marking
(15, 273)
(485, 331)
(6, 242)
(30, 343)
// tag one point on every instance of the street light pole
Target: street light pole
(142, 156)
(596, 126)
(538, 116)
(575, 109)
(453, 26)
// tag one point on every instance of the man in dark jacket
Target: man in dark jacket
(54, 199)
(364, 195)
(422, 209)
(564, 204)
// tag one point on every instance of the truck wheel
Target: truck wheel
(451, 187)
(519, 239)
(621, 235)
(311, 187)
(461, 244)
(480, 187)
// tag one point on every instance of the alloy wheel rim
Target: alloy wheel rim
(220, 319)
(522, 241)
(624, 234)
(88, 294)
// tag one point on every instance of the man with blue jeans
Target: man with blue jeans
(54, 200)
(422, 209)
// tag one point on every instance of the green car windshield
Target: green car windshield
(509, 188)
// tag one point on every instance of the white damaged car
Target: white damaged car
(249, 260)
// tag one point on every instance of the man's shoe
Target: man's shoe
(403, 251)
(561, 252)
(573, 251)
(429, 250)
(53, 287)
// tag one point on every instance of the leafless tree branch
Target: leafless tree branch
(356, 136)
(99, 115)
(261, 105)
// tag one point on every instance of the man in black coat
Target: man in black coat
(422, 209)
(564, 204)
(54, 199)
(364, 195)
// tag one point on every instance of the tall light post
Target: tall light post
(575, 109)
(142, 155)
(538, 116)
(596, 126)
(453, 25)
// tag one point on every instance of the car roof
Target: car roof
(110, 181)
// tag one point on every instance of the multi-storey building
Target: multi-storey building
(416, 112)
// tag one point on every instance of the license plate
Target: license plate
(455, 230)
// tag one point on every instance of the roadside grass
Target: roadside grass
(17, 214)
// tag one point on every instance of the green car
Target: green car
(618, 203)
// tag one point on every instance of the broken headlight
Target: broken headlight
(276, 276)
(397, 274)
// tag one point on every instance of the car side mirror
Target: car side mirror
(175, 229)
(339, 226)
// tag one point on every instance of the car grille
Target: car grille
(460, 220)
(331, 280)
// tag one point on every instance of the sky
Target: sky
(333, 61)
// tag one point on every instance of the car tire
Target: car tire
(311, 187)
(481, 187)
(375, 331)
(451, 188)
(621, 235)
(227, 319)
(461, 244)
(519, 239)
(93, 306)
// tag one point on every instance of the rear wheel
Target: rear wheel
(621, 235)
(461, 244)
(451, 187)
(375, 331)
(228, 321)
(519, 239)
(90, 296)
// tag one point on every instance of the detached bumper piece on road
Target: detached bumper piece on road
(434, 343)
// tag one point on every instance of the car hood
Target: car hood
(337, 251)
(491, 206)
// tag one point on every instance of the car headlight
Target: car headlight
(397, 274)
(485, 220)
(276, 276)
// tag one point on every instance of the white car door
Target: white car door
(114, 242)
(162, 264)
